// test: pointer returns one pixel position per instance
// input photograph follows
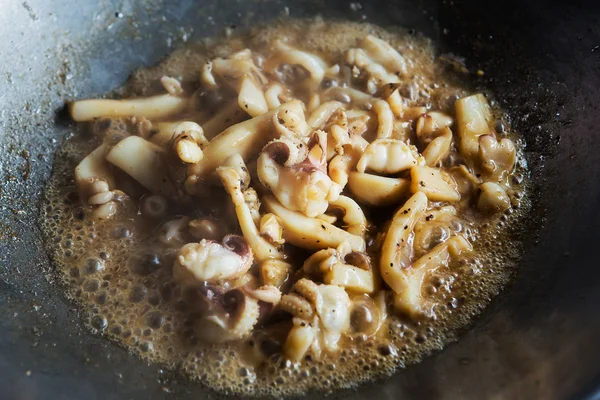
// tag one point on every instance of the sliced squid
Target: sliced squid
(245, 138)
(310, 233)
(497, 157)
(340, 166)
(261, 248)
(473, 119)
(380, 60)
(298, 178)
(377, 190)
(437, 184)
(387, 156)
(439, 148)
(430, 123)
(275, 272)
(342, 267)
(353, 218)
(289, 55)
(408, 295)
(156, 107)
(233, 318)
(493, 198)
(143, 161)
(93, 167)
(209, 261)
(397, 249)
(324, 310)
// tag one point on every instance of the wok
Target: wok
(538, 339)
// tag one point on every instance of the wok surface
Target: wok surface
(538, 339)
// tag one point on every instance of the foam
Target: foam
(146, 313)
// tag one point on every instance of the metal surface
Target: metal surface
(537, 340)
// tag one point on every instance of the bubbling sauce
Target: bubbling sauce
(121, 274)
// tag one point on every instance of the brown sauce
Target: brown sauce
(120, 274)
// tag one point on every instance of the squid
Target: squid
(209, 261)
(321, 315)
(310, 233)
(387, 156)
(296, 174)
(262, 248)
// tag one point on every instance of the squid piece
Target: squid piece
(357, 124)
(385, 54)
(322, 309)
(251, 98)
(189, 141)
(156, 107)
(380, 60)
(354, 218)
(93, 167)
(174, 233)
(497, 157)
(270, 229)
(298, 178)
(399, 105)
(341, 267)
(275, 272)
(310, 233)
(206, 76)
(273, 95)
(266, 293)
(351, 278)
(377, 190)
(323, 113)
(439, 148)
(233, 69)
(397, 250)
(288, 55)
(387, 156)
(429, 124)
(465, 180)
(299, 340)
(240, 73)
(349, 95)
(245, 138)
(261, 248)
(233, 316)
(340, 166)
(290, 125)
(473, 119)
(409, 297)
(171, 85)
(143, 161)
(209, 261)
(385, 118)
(438, 185)
(493, 198)
(186, 137)
(227, 116)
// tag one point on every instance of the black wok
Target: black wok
(538, 339)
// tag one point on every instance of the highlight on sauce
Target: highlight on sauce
(309, 206)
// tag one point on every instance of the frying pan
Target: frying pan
(538, 339)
